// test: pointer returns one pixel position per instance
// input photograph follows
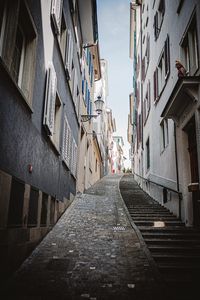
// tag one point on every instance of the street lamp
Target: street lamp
(99, 107)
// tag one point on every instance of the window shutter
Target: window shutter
(66, 143)
(155, 81)
(75, 158)
(143, 68)
(149, 95)
(56, 13)
(75, 86)
(69, 53)
(72, 157)
(50, 98)
(167, 57)
(155, 25)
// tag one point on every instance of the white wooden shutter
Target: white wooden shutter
(69, 53)
(66, 143)
(75, 87)
(73, 157)
(56, 13)
(50, 98)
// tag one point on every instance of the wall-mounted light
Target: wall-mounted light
(99, 107)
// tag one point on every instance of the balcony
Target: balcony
(182, 99)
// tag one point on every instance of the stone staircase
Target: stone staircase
(174, 247)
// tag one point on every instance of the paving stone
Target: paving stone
(92, 253)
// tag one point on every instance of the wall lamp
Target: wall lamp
(99, 107)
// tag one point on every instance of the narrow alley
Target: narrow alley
(92, 252)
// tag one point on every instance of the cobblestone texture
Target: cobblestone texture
(91, 253)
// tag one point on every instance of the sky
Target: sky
(113, 26)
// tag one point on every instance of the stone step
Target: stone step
(168, 229)
(153, 218)
(166, 223)
(171, 257)
(176, 249)
(171, 235)
(152, 211)
(148, 211)
(179, 268)
(147, 207)
(184, 242)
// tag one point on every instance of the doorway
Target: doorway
(192, 149)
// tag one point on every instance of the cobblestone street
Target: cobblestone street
(91, 253)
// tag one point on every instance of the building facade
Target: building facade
(165, 43)
(43, 62)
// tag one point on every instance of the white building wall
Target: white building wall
(162, 162)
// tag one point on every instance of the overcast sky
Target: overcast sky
(113, 24)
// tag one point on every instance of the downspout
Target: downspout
(177, 172)
(141, 77)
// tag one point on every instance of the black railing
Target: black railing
(165, 188)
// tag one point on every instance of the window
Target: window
(52, 210)
(76, 93)
(69, 148)
(147, 103)
(180, 4)
(33, 207)
(69, 54)
(145, 60)
(139, 129)
(66, 151)
(189, 47)
(147, 155)
(56, 14)
(57, 120)
(73, 157)
(44, 210)
(2, 4)
(164, 134)
(155, 81)
(158, 18)
(63, 37)
(161, 73)
(77, 26)
(15, 211)
(52, 110)
(167, 57)
(18, 45)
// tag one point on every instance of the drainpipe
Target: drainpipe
(177, 172)
(141, 77)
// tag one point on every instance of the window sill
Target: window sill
(20, 92)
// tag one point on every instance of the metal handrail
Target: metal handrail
(161, 185)
(146, 179)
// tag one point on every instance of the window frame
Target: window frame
(148, 164)
(158, 19)
(17, 14)
(192, 66)
(164, 135)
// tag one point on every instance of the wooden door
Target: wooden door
(192, 148)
